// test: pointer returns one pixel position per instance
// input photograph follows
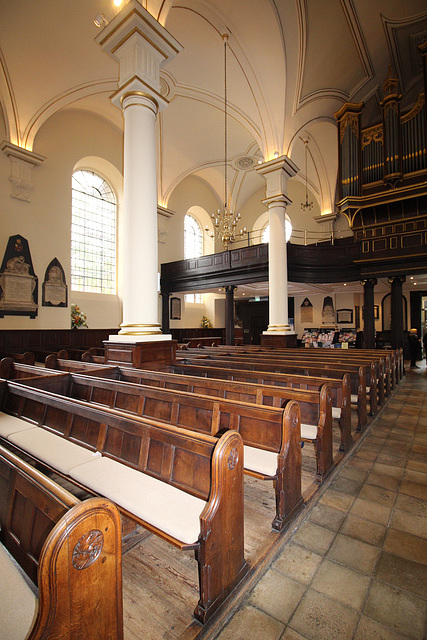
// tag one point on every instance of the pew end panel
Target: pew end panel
(289, 498)
(221, 540)
(70, 549)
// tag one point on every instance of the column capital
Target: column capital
(141, 46)
(369, 281)
(277, 173)
(278, 200)
(396, 279)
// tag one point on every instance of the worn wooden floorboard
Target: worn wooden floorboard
(161, 582)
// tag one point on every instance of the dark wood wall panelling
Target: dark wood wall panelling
(19, 340)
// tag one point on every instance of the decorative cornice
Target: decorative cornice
(22, 163)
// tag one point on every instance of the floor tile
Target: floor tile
(402, 573)
(388, 470)
(251, 624)
(371, 511)
(354, 553)
(411, 505)
(298, 563)
(369, 629)
(341, 583)
(400, 610)
(406, 545)
(414, 489)
(363, 530)
(320, 618)
(327, 517)
(410, 523)
(344, 485)
(277, 595)
(383, 481)
(378, 494)
(290, 634)
(313, 537)
(337, 499)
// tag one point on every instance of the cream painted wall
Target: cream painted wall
(46, 221)
(189, 194)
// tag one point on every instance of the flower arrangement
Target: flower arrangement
(78, 318)
(206, 323)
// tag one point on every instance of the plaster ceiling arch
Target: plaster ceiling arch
(258, 96)
(322, 164)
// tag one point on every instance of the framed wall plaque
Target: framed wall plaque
(54, 286)
(175, 308)
(345, 316)
(18, 282)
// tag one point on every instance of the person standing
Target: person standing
(414, 347)
(425, 345)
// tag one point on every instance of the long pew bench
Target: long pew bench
(186, 487)
(258, 393)
(378, 369)
(246, 388)
(60, 560)
(315, 421)
(265, 430)
(357, 378)
(392, 360)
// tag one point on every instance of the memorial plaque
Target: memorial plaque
(18, 282)
(54, 286)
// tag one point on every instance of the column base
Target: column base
(279, 339)
(149, 352)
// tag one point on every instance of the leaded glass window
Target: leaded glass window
(93, 234)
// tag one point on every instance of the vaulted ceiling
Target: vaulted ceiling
(291, 65)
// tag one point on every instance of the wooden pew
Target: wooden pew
(210, 414)
(392, 359)
(384, 373)
(69, 550)
(297, 357)
(26, 358)
(185, 487)
(357, 378)
(244, 391)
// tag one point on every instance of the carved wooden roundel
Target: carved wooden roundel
(232, 459)
(87, 549)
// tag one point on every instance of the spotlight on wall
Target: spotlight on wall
(100, 20)
(117, 3)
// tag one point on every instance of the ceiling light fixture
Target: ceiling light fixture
(306, 206)
(100, 20)
(225, 221)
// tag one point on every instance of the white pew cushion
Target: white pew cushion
(260, 461)
(18, 603)
(55, 451)
(354, 398)
(155, 502)
(308, 431)
(336, 413)
(11, 424)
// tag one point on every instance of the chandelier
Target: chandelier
(225, 221)
(306, 206)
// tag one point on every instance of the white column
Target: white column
(277, 172)
(277, 267)
(140, 259)
(141, 46)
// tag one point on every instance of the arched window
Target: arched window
(265, 236)
(93, 234)
(193, 238)
(193, 248)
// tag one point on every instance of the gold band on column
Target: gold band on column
(140, 329)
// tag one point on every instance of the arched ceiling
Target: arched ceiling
(291, 65)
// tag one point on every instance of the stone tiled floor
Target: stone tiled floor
(356, 568)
